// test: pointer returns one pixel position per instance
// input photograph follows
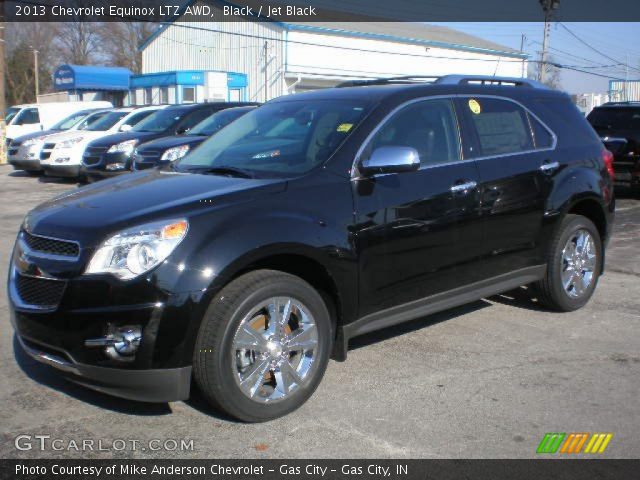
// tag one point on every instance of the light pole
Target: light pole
(35, 63)
(548, 7)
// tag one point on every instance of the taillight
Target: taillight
(607, 157)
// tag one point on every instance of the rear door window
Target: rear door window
(501, 126)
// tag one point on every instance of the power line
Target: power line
(595, 49)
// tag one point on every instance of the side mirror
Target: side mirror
(182, 130)
(125, 128)
(391, 160)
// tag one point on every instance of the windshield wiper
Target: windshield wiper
(223, 170)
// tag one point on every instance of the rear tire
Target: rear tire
(574, 263)
(245, 361)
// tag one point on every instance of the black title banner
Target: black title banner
(320, 469)
(320, 10)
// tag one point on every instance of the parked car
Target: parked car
(618, 124)
(61, 155)
(113, 155)
(24, 151)
(34, 117)
(169, 149)
(315, 218)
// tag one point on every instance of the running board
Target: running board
(433, 304)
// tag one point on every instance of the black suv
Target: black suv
(112, 155)
(310, 220)
(169, 149)
(618, 124)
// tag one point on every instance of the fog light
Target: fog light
(115, 166)
(121, 343)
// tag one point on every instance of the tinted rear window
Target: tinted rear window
(615, 118)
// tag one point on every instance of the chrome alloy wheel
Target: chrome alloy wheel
(578, 263)
(274, 349)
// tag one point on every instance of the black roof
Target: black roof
(378, 89)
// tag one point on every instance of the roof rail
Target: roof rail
(408, 79)
(625, 102)
(487, 80)
(447, 80)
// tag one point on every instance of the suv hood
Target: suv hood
(86, 135)
(39, 133)
(173, 141)
(116, 138)
(91, 213)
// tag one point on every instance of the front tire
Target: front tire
(574, 264)
(263, 346)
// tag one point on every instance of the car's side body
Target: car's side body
(381, 249)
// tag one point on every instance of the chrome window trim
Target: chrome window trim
(462, 159)
(49, 256)
(546, 127)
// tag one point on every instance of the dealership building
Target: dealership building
(253, 60)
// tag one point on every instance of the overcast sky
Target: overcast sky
(603, 48)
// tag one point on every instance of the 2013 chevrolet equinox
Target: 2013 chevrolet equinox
(310, 220)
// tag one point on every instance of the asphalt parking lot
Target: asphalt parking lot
(486, 380)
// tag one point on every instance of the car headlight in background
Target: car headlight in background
(68, 143)
(123, 147)
(137, 250)
(32, 141)
(175, 153)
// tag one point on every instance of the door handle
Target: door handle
(549, 166)
(463, 187)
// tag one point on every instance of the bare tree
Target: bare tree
(551, 72)
(78, 42)
(120, 42)
(21, 40)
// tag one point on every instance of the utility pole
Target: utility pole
(548, 7)
(35, 62)
(265, 51)
(3, 109)
(522, 40)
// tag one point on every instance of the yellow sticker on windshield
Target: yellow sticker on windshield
(344, 127)
(474, 106)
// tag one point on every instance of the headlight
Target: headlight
(124, 147)
(137, 250)
(32, 141)
(175, 153)
(69, 143)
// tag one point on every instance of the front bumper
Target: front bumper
(25, 157)
(154, 385)
(104, 167)
(56, 312)
(61, 170)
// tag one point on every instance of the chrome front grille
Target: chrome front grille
(45, 153)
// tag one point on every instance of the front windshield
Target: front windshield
(68, 122)
(106, 122)
(217, 121)
(282, 138)
(160, 121)
(91, 119)
(11, 112)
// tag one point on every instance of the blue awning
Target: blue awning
(85, 77)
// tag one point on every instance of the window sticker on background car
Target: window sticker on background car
(344, 127)
(474, 106)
